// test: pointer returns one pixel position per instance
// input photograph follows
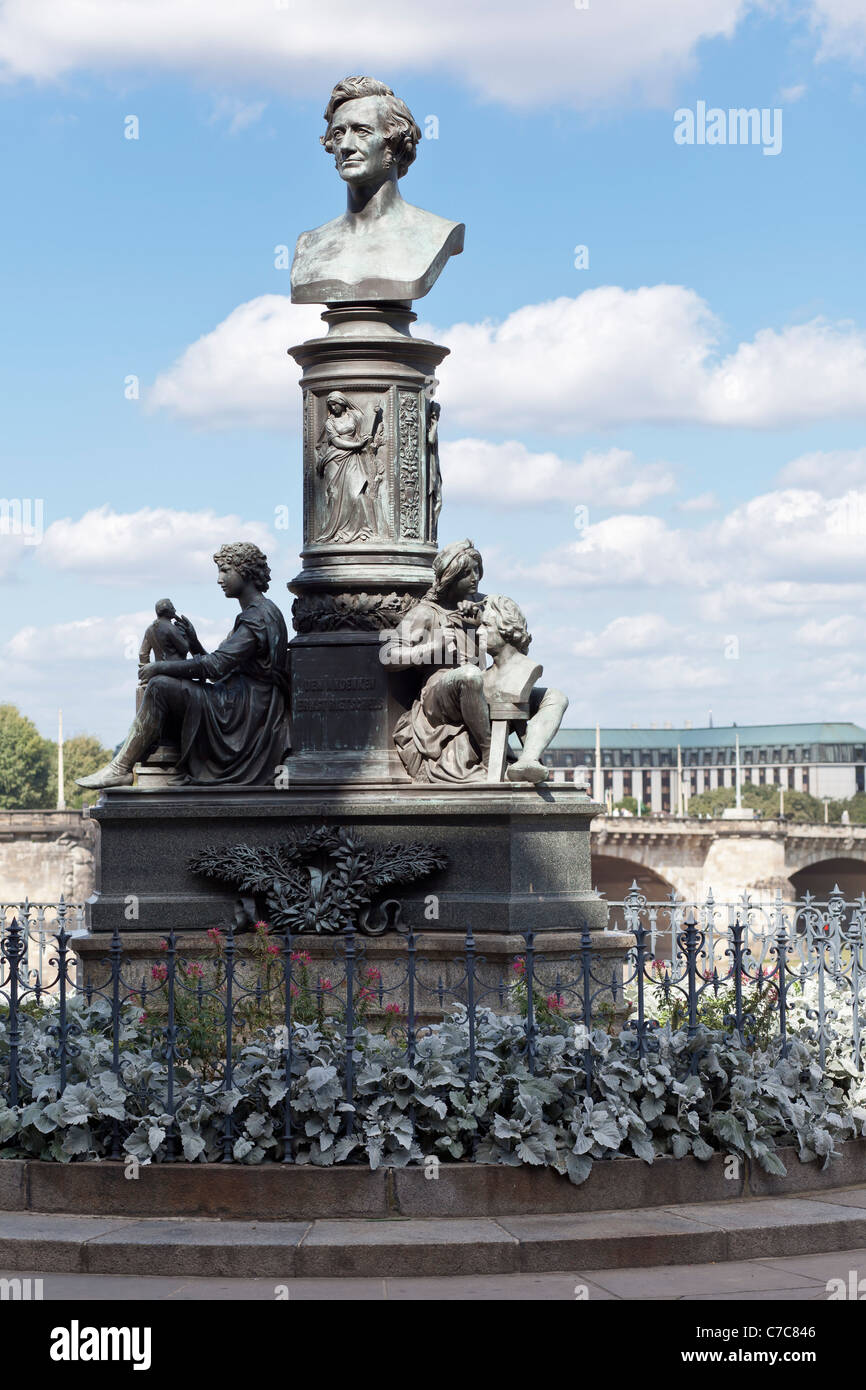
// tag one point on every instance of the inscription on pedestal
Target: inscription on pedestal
(337, 693)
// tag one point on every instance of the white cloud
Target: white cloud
(773, 600)
(792, 94)
(238, 114)
(842, 631)
(130, 547)
(830, 471)
(616, 552)
(240, 373)
(842, 26)
(703, 502)
(510, 475)
(624, 51)
(627, 636)
(609, 357)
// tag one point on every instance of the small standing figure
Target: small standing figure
(165, 637)
(434, 475)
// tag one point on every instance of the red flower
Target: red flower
(519, 965)
(273, 949)
(325, 984)
(555, 1002)
(195, 969)
(214, 933)
(393, 1009)
(159, 972)
(303, 956)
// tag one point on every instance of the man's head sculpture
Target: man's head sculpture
(401, 131)
(509, 620)
(381, 248)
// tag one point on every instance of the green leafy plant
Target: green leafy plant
(588, 1098)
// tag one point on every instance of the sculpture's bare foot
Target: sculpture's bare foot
(527, 770)
(112, 775)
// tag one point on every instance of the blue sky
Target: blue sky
(700, 388)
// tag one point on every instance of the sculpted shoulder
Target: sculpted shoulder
(399, 256)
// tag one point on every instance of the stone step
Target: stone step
(701, 1232)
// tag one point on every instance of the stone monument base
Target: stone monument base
(517, 856)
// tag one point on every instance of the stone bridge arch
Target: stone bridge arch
(614, 874)
(822, 873)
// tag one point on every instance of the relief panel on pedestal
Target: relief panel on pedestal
(348, 466)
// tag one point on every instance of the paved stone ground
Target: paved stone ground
(796, 1278)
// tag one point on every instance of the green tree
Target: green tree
(81, 755)
(799, 806)
(629, 803)
(25, 763)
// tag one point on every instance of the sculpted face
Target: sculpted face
(230, 581)
(361, 149)
(491, 636)
(467, 584)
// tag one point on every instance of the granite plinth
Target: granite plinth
(518, 856)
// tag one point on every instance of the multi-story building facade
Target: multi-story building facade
(828, 760)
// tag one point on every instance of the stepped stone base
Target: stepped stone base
(382, 1244)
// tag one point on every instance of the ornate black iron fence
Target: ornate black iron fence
(794, 969)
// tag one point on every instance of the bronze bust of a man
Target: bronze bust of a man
(381, 248)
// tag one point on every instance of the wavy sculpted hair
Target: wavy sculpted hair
(509, 619)
(402, 131)
(248, 560)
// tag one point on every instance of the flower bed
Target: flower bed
(585, 1097)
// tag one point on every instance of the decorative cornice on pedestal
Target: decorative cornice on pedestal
(350, 612)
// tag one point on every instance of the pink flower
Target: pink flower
(372, 973)
(194, 968)
(142, 1018)
(519, 966)
(294, 991)
(555, 1002)
(393, 1009)
(303, 956)
(159, 972)
(163, 945)
(367, 995)
(261, 928)
(325, 984)
(273, 949)
(214, 933)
